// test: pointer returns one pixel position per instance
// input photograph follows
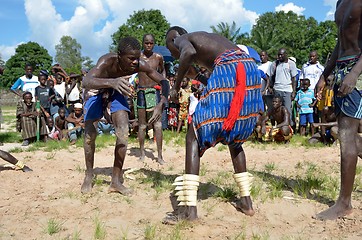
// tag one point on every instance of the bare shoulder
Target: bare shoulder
(108, 58)
(157, 55)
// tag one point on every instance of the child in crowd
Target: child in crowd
(26, 115)
(173, 107)
(44, 94)
(61, 123)
(305, 102)
(194, 99)
(184, 98)
(59, 86)
(56, 103)
(53, 133)
(73, 90)
(75, 123)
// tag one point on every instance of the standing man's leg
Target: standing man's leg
(158, 133)
(90, 135)
(120, 121)
(349, 144)
(239, 163)
(192, 165)
(142, 125)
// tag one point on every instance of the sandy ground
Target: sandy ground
(28, 201)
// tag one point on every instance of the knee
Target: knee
(122, 133)
(90, 135)
(158, 125)
(142, 127)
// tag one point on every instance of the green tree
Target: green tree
(88, 63)
(231, 32)
(31, 53)
(68, 54)
(297, 34)
(140, 23)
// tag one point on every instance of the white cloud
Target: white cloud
(7, 51)
(332, 5)
(47, 25)
(290, 7)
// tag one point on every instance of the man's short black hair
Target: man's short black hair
(27, 93)
(147, 34)
(28, 65)
(178, 29)
(127, 44)
(278, 97)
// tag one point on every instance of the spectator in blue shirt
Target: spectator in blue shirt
(26, 83)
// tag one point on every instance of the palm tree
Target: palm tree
(230, 32)
(263, 39)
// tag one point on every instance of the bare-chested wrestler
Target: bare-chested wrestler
(282, 131)
(107, 78)
(346, 62)
(222, 114)
(148, 96)
(11, 159)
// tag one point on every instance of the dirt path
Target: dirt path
(29, 201)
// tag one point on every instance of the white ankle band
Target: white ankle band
(186, 189)
(243, 182)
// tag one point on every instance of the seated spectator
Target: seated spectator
(75, 123)
(53, 133)
(104, 127)
(26, 115)
(283, 131)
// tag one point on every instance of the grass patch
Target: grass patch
(100, 230)
(150, 232)
(12, 137)
(53, 226)
(226, 194)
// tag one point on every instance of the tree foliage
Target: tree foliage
(231, 32)
(140, 23)
(68, 54)
(31, 53)
(274, 30)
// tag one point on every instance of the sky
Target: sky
(92, 22)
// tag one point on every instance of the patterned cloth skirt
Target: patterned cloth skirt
(215, 102)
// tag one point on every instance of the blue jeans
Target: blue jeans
(105, 128)
(74, 134)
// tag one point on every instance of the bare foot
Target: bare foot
(336, 211)
(119, 188)
(182, 213)
(160, 161)
(245, 206)
(87, 183)
(26, 169)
